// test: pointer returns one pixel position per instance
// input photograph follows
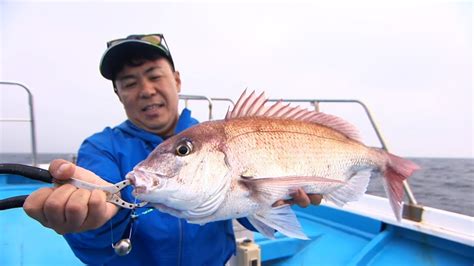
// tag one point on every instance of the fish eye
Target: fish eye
(184, 148)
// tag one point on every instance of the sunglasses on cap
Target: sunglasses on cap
(156, 39)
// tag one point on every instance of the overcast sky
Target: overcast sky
(411, 64)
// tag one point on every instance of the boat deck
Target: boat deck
(25, 241)
(345, 238)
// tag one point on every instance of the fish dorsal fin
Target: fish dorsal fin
(253, 105)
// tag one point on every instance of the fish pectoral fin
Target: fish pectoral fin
(282, 219)
(275, 188)
(354, 188)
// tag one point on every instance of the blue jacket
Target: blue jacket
(158, 238)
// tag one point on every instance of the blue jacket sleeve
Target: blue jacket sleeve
(95, 246)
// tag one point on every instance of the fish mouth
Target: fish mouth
(144, 182)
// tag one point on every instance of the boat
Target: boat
(360, 233)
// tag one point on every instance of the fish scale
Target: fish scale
(290, 150)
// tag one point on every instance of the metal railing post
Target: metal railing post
(187, 97)
(31, 120)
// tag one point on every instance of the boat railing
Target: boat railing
(30, 120)
(186, 98)
(411, 211)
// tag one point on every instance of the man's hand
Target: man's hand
(300, 198)
(66, 208)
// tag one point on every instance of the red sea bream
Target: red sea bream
(261, 153)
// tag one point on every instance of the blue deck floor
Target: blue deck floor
(340, 238)
(24, 241)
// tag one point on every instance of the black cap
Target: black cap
(133, 46)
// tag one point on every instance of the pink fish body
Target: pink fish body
(239, 166)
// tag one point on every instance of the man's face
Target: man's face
(149, 94)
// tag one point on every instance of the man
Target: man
(147, 84)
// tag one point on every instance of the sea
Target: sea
(442, 183)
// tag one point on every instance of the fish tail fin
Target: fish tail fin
(397, 171)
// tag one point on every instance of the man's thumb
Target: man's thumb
(61, 169)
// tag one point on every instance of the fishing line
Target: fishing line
(124, 246)
(134, 216)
